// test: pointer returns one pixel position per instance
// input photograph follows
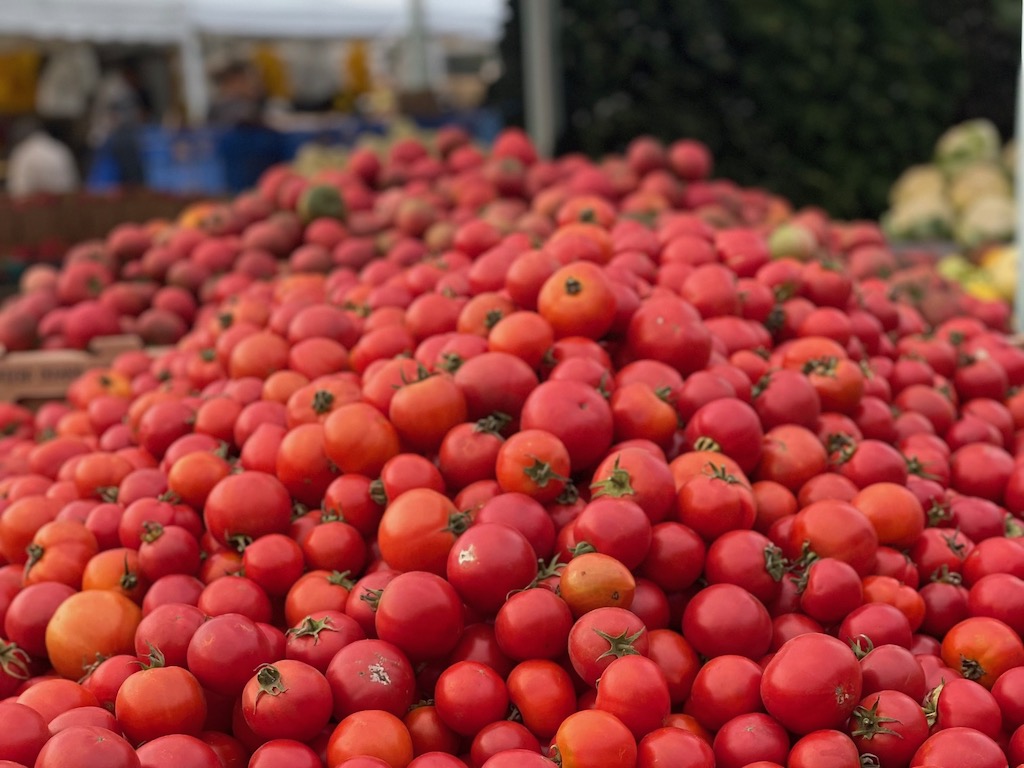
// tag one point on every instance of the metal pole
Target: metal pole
(193, 78)
(539, 73)
(1019, 192)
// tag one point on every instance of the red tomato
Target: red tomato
(822, 694)
(87, 745)
(287, 700)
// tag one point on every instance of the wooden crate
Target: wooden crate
(38, 376)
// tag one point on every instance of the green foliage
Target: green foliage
(824, 101)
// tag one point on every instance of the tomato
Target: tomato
(429, 733)
(84, 745)
(791, 455)
(332, 545)
(593, 580)
(243, 507)
(890, 667)
(813, 681)
(284, 753)
(822, 749)
(715, 502)
(629, 680)
(595, 739)
(53, 696)
(224, 650)
(315, 591)
(533, 624)
(890, 725)
(602, 635)
(359, 439)
(533, 462)
(982, 648)
(287, 700)
(726, 619)
(469, 451)
(489, 561)
(24, 734)
(574, 413)
(403, 610)
(60, 551)
(371, 675)
(962, 702)
(962, 747)
(159, 701)
(674, 746)
(418, 530)
(423, 410)
(894, 511)
(578, 300)
(319, 636)
(669, 330)
(90, 623)
(516, 510)
(469, 696)
(177, 749)
(725, 687)
(831, 590)
(632, 471)
(372, 733)
(748, 738)
(29, 613)
(836, 529)
(169, 628)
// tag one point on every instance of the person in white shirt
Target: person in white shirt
(40, 164)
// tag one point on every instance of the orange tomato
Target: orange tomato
(594, 580)
(89, 623)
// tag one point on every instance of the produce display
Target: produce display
(453, 458)
(965, 195)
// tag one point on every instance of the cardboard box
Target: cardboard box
(42, 375)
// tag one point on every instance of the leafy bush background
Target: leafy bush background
(824, 101)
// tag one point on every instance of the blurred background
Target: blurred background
(823, 101)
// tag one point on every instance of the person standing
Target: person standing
(39, 163)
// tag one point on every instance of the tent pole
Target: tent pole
(193, 78)
(1018, 183)
(538, 35)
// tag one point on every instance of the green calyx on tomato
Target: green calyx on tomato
(238, 541)
(322, 401)
(868, 723)
(705, 443)
(377, 492)
(310, 627)
(616, 485)
(151, 531)
(915, 467)
(821, 366)
(493, 424)
(541, 473)
(620, 645)
(14, 661)
(269, 679)
(946, 576)
(775, 563)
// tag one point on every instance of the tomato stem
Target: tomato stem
(269, 679)
(620, 645)
(14, 661)
(617, 484)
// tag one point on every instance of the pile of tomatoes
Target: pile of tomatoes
(519, 462)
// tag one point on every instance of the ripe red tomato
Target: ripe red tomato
(595, 739)
(488, 562)
(813, 681)
(469, 696)
(982, 648)
(421, 614)
(287, 700)
(160, 701)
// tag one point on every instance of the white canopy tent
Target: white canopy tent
(182, 23)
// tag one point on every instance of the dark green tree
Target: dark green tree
(824, 101)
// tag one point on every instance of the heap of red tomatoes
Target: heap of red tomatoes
(520, 462)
